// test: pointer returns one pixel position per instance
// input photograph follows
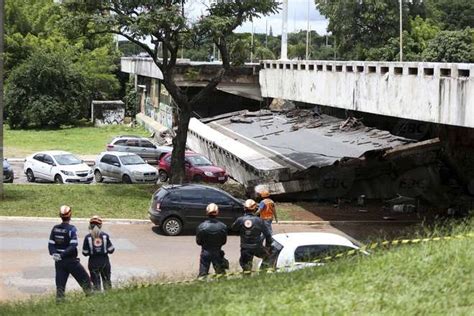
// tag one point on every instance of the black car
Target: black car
(178, 207)
(7, 172)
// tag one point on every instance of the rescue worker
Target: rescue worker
(97, 246)
(211, 235)
(267, 210)
(252, 232)
(62, 247)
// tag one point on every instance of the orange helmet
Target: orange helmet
(264, 193)
(250, 205)
(95, 220)
(65, 212)
(212, 209)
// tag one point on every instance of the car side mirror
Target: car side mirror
(116, 164)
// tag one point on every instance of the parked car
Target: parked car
(8, 173)
(125, 167)
(175, 207)
(197, 167)
(294, 251)
(138, 145)
(57, 166)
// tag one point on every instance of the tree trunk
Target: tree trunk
(178, 174)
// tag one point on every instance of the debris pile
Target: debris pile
(302, 118)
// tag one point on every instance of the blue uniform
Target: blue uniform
(98, 250)
(63, 241)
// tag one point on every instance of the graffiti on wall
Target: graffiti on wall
(105, 113)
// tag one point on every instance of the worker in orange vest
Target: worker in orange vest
(266, 209)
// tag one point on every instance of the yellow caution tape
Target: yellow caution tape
(320, 260)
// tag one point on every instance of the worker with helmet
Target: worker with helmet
(211, 235)
(267, 210)
(62, 247)
(97, 246)
(252, 232)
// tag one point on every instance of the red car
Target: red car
(198, 169)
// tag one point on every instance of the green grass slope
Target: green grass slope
(432, 278)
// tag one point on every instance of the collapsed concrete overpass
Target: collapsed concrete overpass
(441, 93)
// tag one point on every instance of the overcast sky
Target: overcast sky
(297, 17)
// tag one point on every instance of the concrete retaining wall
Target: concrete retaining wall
(433, 92)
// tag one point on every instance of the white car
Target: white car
(124, 167)
(57, 166)
(294, 251)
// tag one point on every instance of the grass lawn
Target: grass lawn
(108, 200)
(78, 140)
(431, 278)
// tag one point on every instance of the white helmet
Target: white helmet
(212, 209)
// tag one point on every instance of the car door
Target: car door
(36, 165)
(193, 205)
(133, 146)
(229, 209)
(104, 165)
(47, 167)
(115, 167)
(148, 149)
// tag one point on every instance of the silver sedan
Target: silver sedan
(123, 167)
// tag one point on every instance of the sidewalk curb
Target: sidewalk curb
(75, 219)
(147, 221)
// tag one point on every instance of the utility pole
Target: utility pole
(2, 23)
(401, 30)
(251, 46)
(284, 32)
(307, 32)
(266, 33)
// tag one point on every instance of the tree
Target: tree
(44, 91)
(361, 25)
(35, 26)
(164, 23)
(452, 14)
(451, 46)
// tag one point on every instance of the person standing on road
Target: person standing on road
(97, 246)
(211, 235)
(62, 247)
(252, 232)
(267, 210)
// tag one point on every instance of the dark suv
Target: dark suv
(175, 207)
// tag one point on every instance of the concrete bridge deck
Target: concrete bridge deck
(441, 93)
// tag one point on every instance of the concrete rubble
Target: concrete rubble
(300, 153)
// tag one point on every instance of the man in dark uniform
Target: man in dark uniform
(211, 235)
(63, 247)
(252, 232)
(97, 246)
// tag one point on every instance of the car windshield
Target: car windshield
(132, 160)
(310, 253)
(199, 161)
(67, 159)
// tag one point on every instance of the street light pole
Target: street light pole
(284, 32)
(401, 30)
(307, 33)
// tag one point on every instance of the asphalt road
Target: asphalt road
(28, 270)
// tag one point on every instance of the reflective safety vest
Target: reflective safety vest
(267, 209)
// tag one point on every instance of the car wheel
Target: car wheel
(11, 181)
(197, 178)
(98, 176)
(58, 179)
(172, 226)
(162, 176)
(126, 179)
(30, 177)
